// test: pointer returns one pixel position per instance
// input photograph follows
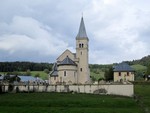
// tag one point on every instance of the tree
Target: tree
(23, 66)
(12, 78)
(109, 74)
(93, 78)
(46, 71)
(37, 75)
(28, 72)
(148, 70)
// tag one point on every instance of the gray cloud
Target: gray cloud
(41, 30)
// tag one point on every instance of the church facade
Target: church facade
(73, 68)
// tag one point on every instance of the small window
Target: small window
(80, 69)
(127, 73)
(82, 45)
(81, 52)
(64, 73)
(54, 78)
(119, 73)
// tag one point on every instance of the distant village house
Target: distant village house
(123, 72)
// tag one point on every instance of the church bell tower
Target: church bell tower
(82, 54)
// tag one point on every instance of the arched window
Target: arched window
(80, 45)
(64, 73)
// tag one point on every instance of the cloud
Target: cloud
(118, 31)
(27, 35)
(40, 31)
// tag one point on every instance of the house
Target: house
(123, 72)
(30, 79)
(73, 68)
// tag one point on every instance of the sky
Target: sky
(40, 30)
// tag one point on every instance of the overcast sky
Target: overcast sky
(40, 30)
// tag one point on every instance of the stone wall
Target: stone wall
(124, 89)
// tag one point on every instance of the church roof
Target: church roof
(82, 31)
(67, 52)
(67, 61)
(55, 67)
(54, 71)
(124, 67)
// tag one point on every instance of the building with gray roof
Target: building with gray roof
(123, 72)
(73, 68)
(123, 67)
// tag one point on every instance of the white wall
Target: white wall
(124, 89)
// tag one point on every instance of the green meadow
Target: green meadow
(75, 103)
(41, 74)
(143, 95)
(66, 103)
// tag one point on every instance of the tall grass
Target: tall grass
(143, 93)
(66, 103)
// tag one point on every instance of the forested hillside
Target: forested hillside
(24, 66)
(145, 61)
(97, 71)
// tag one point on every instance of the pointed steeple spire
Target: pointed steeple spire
(82, 32)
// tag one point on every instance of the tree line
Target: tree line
(145, 61)
(32, 66)
(24, 66)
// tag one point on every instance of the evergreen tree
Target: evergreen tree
(148, 70)
(109, 74)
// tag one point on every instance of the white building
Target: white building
(73, 68)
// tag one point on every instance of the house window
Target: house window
(64, 73)
(119, 73)
(54, 78)
(81, 69)
(127, 73)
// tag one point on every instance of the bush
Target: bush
(28, 72)
(46, 71)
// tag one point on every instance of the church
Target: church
(73, 68)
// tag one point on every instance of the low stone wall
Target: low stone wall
(124, 90)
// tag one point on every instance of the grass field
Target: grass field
(66, 103)
(75, 103)
(42, 74)
(139, 67)
(143, 95)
